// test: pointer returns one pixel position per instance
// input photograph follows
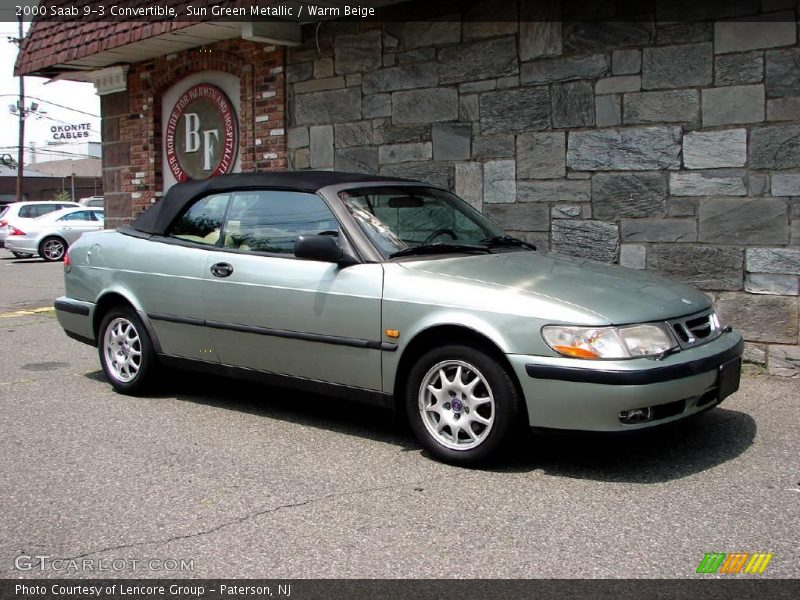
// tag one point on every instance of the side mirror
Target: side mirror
(323, 248)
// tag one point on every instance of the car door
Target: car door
(167, 274)
(270, 311)
(73, 225)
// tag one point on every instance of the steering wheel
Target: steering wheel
(437, 233)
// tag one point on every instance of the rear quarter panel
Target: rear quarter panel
(153, 277)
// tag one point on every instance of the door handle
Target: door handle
(221, 269)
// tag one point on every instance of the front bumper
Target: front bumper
(564, 393)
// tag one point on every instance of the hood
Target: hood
(618, 294)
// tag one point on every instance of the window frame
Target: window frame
(344, 237)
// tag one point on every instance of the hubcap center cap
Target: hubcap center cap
(456, 405)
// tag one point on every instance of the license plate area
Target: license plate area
(728, 378)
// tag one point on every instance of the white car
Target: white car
(93, 202)
(49, 236)
(17, 214)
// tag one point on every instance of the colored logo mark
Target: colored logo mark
(735, 562)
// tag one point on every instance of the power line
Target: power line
(83, 112)
(45, 150)
(77, 110)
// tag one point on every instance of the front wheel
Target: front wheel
(126, 352)
(52, 249)
(461, 403)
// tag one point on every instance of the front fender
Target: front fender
(414, 320)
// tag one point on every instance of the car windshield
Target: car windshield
(398, 218)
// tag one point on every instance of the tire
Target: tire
(126, 351)
(478, 422)
(52, 249)
(21, 254)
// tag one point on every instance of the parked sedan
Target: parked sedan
(395, 293)
(49, 236)
(17, 214)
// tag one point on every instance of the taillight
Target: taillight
(67, 263)
(3, 223)
(15, 231)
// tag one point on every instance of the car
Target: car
(395, 293)
(92, 201)
(50, 235)
(19, 213)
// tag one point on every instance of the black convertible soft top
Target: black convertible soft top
(158, 217)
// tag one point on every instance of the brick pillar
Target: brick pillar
(115, 109)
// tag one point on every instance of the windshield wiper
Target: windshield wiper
(506, 240)
(438, 248)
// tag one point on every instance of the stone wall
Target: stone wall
(672, 147)
(132, 143)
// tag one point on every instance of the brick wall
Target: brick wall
(132, 145)
(671, 147)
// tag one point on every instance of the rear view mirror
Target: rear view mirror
(405, 202)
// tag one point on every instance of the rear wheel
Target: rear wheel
(461, 403)
(52, 249)
(126, 352)
(21, 254)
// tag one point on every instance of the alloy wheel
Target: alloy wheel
(53, 249)
(456, 404)
(122, 349)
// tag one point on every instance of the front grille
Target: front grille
(696, 329)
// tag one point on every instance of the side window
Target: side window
(270, 221)
(98, 215)
(46, 209)
(81, 215)
(202, 222)
(27, 212)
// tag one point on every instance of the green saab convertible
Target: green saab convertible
(395, 293)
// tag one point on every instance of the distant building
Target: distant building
(44, 186)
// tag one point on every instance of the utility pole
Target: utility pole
(21, 105)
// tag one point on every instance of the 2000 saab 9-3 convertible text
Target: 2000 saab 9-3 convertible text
(395, 293)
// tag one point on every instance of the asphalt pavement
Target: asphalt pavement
(239, 480)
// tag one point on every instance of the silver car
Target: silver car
(398, 294)
(17, 214)
(49, 236)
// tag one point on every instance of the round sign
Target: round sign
(202, 134)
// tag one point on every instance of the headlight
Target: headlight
(608, 342)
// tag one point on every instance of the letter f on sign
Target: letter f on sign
(208, 147)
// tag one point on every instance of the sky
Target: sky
(73, 95)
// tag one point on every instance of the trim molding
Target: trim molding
(69, 307)
(637, 377)
(362, 395)
(281, 333)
